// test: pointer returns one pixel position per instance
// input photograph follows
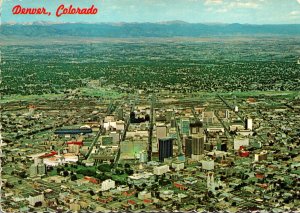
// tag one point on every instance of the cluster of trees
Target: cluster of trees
(184, 67)
(65, 172)
(133, 118)
(102, 172)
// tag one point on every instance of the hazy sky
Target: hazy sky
(194, 11)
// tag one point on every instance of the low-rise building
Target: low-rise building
(240, 141)
(159, 170)
(33, 199)
(166, 194)
(144, 195)
(177, 165)
(208, 165)
(107, 185)
(140, 178)
(261, 156)
(74, 207)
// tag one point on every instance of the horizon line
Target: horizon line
(136, 22)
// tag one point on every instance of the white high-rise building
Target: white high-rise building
(249, 124)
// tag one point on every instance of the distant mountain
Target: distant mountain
(130, 30)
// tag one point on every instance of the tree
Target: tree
(147, 117)
(144, 185)
(58, 170)
(23, 174)
(9, 185)
(119, 172)
(129, 171)
(38, 204)
(73, 177)
(66, 173)
(104, 168)
(87, 172)
(132, 117)
(102, 177)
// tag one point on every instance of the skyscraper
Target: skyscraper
(196, 128)
(188, 146)
(185, 126)
(161, 132)
(197, 144)
(165, 148)
(249, 124)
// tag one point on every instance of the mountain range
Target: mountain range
(132, 30)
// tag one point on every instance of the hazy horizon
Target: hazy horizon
(137, 22)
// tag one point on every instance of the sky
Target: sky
(192, 11)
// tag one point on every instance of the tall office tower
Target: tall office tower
(249, 124)
(161, 132)
(196, 128)
(188, 146)
(197, 144)
(165, 148)
(185, 126)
